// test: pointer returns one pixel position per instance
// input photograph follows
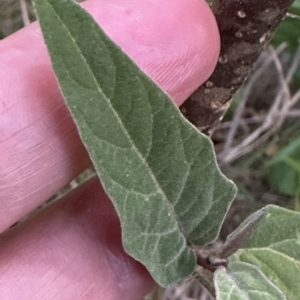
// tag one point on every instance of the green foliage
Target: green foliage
(283, 170)
(289, 32)
(245, 282)
(268, 265)
(159, 171)
(289, 29)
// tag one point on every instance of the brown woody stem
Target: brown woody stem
(245, 28)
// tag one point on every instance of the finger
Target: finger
(71, 250)
(40, 150)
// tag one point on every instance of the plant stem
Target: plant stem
(245, 28)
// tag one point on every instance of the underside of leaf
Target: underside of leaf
(268, 265)
(158, 170)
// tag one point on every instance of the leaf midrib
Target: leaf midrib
(171, 209)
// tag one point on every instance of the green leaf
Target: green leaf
(283, 171)
(268, 265)
(242, 281)
(289, 29)
(295, 7)
(289, 32)
(158, 170)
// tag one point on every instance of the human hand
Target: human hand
(72, 249)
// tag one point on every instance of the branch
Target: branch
(245, 27)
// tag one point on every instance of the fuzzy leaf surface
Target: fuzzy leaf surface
(268, 265)
(158, 170)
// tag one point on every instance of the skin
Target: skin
(72, 249)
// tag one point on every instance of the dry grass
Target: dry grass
(282, 107)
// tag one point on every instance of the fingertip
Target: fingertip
(176, 43)
(72, 247)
